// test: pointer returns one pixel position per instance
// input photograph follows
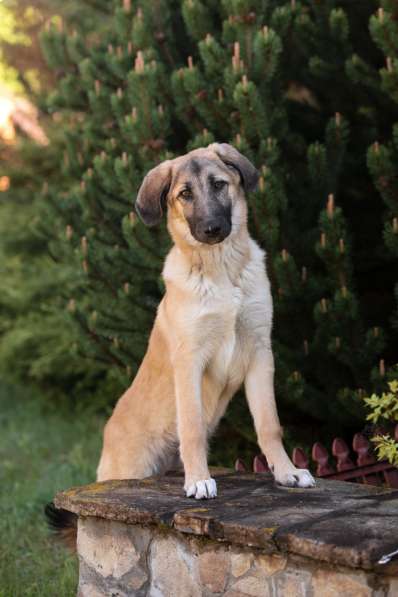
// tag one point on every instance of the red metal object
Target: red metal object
(362, 467)
(362, 447)
(260, 464)
(240, 466)
(299, 458)
(321, 456)
(341, 452)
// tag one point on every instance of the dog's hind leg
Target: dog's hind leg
(141, 457)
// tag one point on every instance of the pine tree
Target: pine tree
(294, 86)
(383, 157)
(383, 165)
(38, 335)
(38, 338)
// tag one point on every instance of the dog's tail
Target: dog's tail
(63, 524)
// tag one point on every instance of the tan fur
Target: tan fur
(211, 335)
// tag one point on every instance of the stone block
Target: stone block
(173, 569)
(327, 583)
(106, 547)
(213, 570)
(274, 519)
(232, 593)
(392, 587)
(293, 583)
(240, 563)
(270, 564)
(89, 590)
(251, 585)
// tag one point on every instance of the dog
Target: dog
(212, 332)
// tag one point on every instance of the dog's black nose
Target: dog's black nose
(212, 230)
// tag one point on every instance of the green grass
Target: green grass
(42, 450)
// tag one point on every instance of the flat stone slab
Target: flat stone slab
(337, 522)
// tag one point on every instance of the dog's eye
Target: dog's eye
(186, 194)
(219, 184)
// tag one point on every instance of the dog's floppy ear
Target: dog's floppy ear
(232, 157)
(151, 198)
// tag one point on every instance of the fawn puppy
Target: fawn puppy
(212, 332)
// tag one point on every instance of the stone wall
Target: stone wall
(122, 560)
(144, 537)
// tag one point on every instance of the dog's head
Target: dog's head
(203, 192)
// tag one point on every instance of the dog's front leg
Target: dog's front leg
(259, 385)
(191, 428)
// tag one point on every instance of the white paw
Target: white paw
(201, 490)
(298, 477)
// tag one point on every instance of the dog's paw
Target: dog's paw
(201, 490)
(298, 477)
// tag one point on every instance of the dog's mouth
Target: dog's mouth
(214, 241)
(212, 234)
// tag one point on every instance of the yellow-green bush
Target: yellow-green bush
(385, 408)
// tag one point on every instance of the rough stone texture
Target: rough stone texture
(335, 584)
(89, 590)
(240, 563)
(142, 538)
(112, 556)
(109, 551)
(338, 522)
(213, 570)
(271, 564)
(173, 569)
(173, 564)
(253, 586)
(294, 582)
(393, 588)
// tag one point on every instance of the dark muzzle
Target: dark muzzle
(213, 231)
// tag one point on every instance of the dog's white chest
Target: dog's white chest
(224, 354)
(225, 361)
